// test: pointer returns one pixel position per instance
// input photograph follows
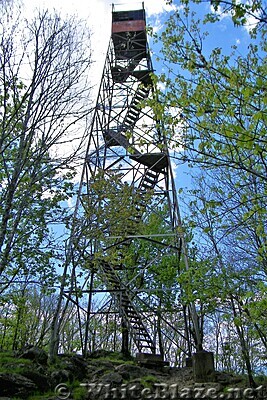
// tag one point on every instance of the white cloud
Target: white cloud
(220, 13)
(98, 15)
(162, 86)
(252, 20)
(158, 7)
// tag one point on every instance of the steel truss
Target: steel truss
(127, 178)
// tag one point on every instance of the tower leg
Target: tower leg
(203, 366)
(125, 348)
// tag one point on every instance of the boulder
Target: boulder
(75, 364)
(128, 371)
(40, 380)
(34, 353)
(97, 370)
(113, 378)
(61, 376)
(16, 385)
(100, 353)
(203, 366)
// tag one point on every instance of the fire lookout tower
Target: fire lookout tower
(127, 180)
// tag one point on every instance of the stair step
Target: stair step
(147, 186)
(141, 93)
(135, 316)
(151, 173)
(129, 121)
(134, 320)
(134, 109)
(152, 182)
(143, 336)
(136, 100)
(128, 124)
(139, 333)
(131, 115)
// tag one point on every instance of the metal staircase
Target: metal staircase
(130, 66)
(124, 142)
(129, 313)
(134, 321)
(133, 112)
(116, 136)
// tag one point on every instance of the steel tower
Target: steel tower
(127, 176)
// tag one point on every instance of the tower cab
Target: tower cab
(129, 43)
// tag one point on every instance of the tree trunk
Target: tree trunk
(244, 348)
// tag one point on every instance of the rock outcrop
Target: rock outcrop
(106, 375)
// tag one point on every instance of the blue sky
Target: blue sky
(97, 13)
(222, 34)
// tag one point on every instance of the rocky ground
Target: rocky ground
(106, 375)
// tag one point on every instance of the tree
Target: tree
(25, 316)
(233, 235)
(44, 93)
(45, 105)
(218, 105)
(219, 99)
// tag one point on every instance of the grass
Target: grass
(114, 361)
(261, 379)
(8, 363)
(42, 396)
(148, 380)
(77, 392)
(115, 358)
